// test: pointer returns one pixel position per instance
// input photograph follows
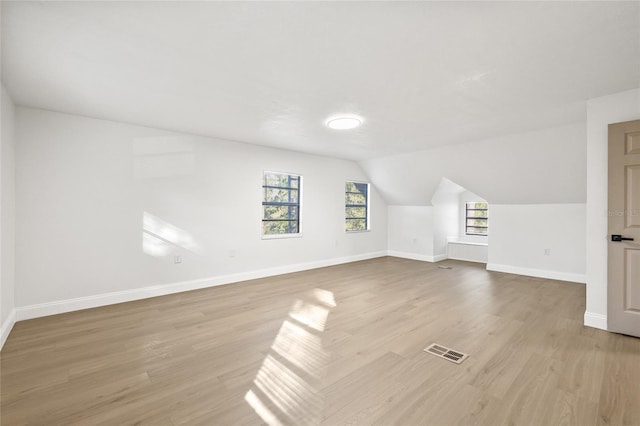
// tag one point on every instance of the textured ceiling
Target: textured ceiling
(422, 74)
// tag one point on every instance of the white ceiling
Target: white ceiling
(422, 74)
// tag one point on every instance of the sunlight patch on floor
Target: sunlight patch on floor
(286, 386)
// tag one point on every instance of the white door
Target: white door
(623, 311)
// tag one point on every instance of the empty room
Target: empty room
(320, 213)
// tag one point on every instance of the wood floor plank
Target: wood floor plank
(332, 346)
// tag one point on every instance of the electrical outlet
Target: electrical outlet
(547, 252)
(177, 259)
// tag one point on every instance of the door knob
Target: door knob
(616, 238)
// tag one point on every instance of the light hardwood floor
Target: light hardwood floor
(338, 345)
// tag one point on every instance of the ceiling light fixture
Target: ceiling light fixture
(344, 122)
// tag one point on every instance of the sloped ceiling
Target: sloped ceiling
(542, 167)
(422, 74)
(446, 192)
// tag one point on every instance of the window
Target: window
(356, 205)
(281, 203)
(477, 219)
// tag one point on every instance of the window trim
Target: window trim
(367, 218)
(466, 219)
(299, 205)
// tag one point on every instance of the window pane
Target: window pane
(356, 224)
(355, 199)
(477, 213)
(356, 212)
(477, 206)
(362, 188)
(477, 222)
(281, 180)
(478, 231)
(280, 227)
(276, 195)
(273, 179)
(280, 212)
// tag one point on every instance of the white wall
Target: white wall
(446, 219)
(540, 171)
(95, 223)
(520, 234)
(601, 112)
(410, 232)
(547, 166)
(446, 215)
(7, 217)
(445, 224)
(93, 196)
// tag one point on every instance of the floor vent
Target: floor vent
(446, 353)
(445, 267)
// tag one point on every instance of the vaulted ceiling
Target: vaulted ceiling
(421, 74)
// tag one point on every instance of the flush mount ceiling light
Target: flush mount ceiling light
(344, 122)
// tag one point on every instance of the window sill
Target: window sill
(467, 243)
(280, 236)
(357, 232)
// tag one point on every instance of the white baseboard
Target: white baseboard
(595, 320)
(466, 259)
(69, 305)
(416, 256)
(412, 256)
(7, 325)
(539, 273)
